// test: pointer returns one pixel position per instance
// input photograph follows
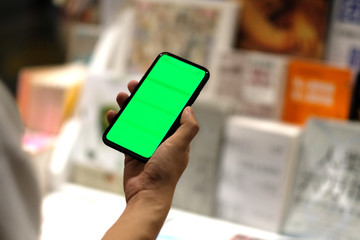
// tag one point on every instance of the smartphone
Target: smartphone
(152, 112)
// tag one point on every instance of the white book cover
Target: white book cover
(257, 168)
(94, 164)
(97, 98)
(195, 30)
(196, 190)
(253, 82)
(344, 33)
(326, 202)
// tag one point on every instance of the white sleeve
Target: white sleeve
(19, 190)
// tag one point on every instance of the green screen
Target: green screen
(155, 106)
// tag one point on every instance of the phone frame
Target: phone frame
(176, 123)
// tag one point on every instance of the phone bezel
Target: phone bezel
(176, 123)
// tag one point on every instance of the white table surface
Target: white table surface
(76, 212)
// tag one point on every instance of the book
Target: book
(95, 164)
(316, 89)
(325, 204)
(256, 172)
(343, 48)
(296, 28)
(47, 95)
(195, 30)
(196, 190)
(252, 82)
(355, 101)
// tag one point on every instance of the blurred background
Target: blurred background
(278, 153)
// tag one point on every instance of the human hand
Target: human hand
(163, 170)
(149, 188)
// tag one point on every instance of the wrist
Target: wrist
(151, 200)
(143, 217)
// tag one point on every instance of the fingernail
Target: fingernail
(190, 110)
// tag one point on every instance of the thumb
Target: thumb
(188, 129)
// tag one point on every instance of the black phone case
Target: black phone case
(176, 123)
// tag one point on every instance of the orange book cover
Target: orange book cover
(316, 89)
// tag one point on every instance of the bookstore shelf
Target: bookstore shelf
(278, 152)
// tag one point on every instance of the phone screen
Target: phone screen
(154, 108)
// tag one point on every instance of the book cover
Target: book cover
(326, 203)
(95, 164)
(256, 172)
(316, 89)
(344, 33)
(194, 30)
(355, 100)
(47, 95)
(196, 190)
(297, 28)
(252, 82)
